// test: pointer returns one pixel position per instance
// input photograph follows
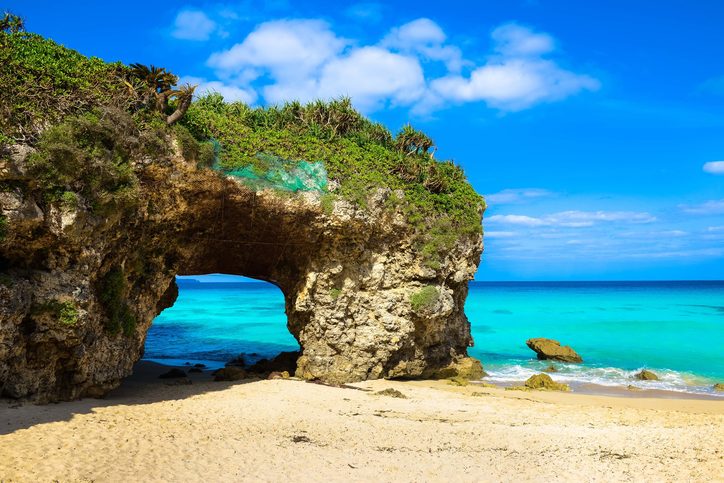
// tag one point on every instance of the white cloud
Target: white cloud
(714, 167)
(288, 49)
(518, 77)
(426, 38)
(193, 25)
(513, 40)
(711, 207)
(574, 219)
(304, 59)
(371, 74)
(516, 195)
(517, 220)
(231, 93)
(500, 234)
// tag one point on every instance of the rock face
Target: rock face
(78, 290)
(545, 382)
(646, 375)
(549, 349)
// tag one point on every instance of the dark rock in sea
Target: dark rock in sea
(237, 361)
(199, 366)
(285, 361)
(173, 374)
(550, 368)
(718, 386)
(549, 349)
(545, 382)
(646, 375)
(230, 373)
(195, 370)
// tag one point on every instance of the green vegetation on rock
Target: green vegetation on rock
(112, 294)
(424, 298)
(64, 312)
(3, 227)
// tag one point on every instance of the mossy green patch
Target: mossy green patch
(424, 298)
(112, 294)
(64, 312)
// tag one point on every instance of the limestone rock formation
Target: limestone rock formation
(544, 381)
(718, 387)
(79, 289)
(549, 349)
(646, 375)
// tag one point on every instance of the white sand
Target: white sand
(286, 430)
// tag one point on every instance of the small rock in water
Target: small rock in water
(173, 374)
(646, 376)
(544, 381)
(718, 386)
(550, 368)
(633, 388)
(195, 370)
(391, 393)
(553, 350)
(236, 361)
(199, 366)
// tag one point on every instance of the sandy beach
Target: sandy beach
(276, 430)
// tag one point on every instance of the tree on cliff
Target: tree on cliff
(157, 89)
(11, 23)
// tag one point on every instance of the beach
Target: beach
(151, 429)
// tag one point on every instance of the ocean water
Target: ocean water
(675, 329)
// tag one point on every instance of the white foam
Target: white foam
(577, 375)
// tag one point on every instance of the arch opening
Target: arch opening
(219, 318)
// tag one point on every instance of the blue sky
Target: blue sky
(595, 129)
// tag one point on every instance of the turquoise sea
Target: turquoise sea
(675, 329)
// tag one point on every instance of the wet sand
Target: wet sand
(292, 430)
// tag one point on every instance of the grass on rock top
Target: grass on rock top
(361, 156)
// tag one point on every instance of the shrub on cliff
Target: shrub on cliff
(88, 155)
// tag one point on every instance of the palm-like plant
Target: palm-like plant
(11, 23)
(411, 141)
(159, 89)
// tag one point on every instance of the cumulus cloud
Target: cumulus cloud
(193, 25)
(714, 167)
(711, 207)
(518, 77)
(516, 195)
(425, 38)
(574, 219)
(231, 93)
(305, 59)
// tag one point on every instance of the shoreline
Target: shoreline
(577, 387)
(151, 429)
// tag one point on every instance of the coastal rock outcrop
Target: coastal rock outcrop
(646, 375)
(549, 349)
(79, 288)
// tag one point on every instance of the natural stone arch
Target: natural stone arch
(359, 298)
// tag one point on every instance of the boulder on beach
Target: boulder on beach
(545, 382)
(173, 374)
(646, 375)
(285, 361)
(230, 373)
(549, 349)
(718, 386)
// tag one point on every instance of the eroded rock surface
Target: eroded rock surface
(79, 290)
(549, 349)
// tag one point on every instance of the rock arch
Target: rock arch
(81, 292)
